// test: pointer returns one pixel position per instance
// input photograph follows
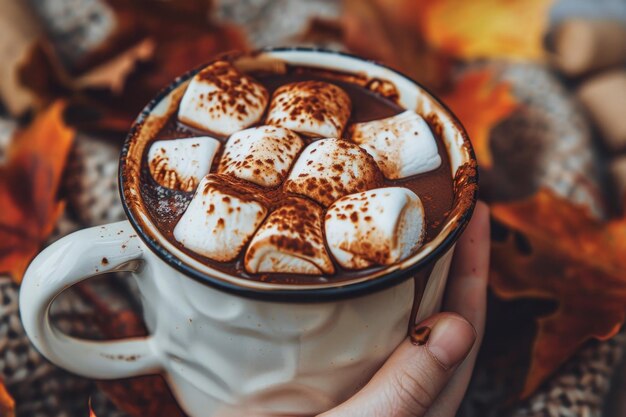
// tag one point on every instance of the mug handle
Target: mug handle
(68, 261)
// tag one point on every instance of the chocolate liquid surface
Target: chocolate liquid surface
(435, 188)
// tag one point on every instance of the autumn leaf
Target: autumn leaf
(482, 28)
(29, 184)
(556, 251)
(480, 104)
(423, 37)
(7, 404)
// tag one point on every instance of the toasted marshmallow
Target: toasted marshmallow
(290, 241)
(262, 155)
(375, 227)
(222, 100)
(313, 108)
(181, 163)
(402, 145)
(328, 169)
(221, 218)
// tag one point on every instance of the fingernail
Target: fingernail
(450, 340)
(419, 335)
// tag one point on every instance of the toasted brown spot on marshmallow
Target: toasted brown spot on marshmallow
(390, 229)
(313, 108)
(235, 210)
(290, 241)
(180, 164)
(355, 171)
(222, 99)
(255, 155)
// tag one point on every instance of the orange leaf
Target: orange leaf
(28, 188)
(480, 104)
(558, 252)
(483, 28)
(7, 404)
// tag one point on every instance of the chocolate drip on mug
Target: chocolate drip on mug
(420, 281)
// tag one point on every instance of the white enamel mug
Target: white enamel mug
(231, 346)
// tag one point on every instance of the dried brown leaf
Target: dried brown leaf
(557, 251)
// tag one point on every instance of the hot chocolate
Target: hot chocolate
(301, 177)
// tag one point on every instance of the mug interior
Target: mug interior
(408, 94)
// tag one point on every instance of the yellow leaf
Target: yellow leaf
(469, 29)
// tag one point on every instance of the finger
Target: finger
(467, 287)
(413, 376)
(467, 295)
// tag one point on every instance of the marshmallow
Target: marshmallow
(375, 227)
(313, 108)
(221, 218)
(290, 241)
(402, 145)
(222, 100)
(262, 155)
(331, 168)
(181, 163)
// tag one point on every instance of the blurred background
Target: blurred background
(540, 85)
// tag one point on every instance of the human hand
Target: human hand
(431, 379)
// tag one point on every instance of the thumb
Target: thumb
(411, 379)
